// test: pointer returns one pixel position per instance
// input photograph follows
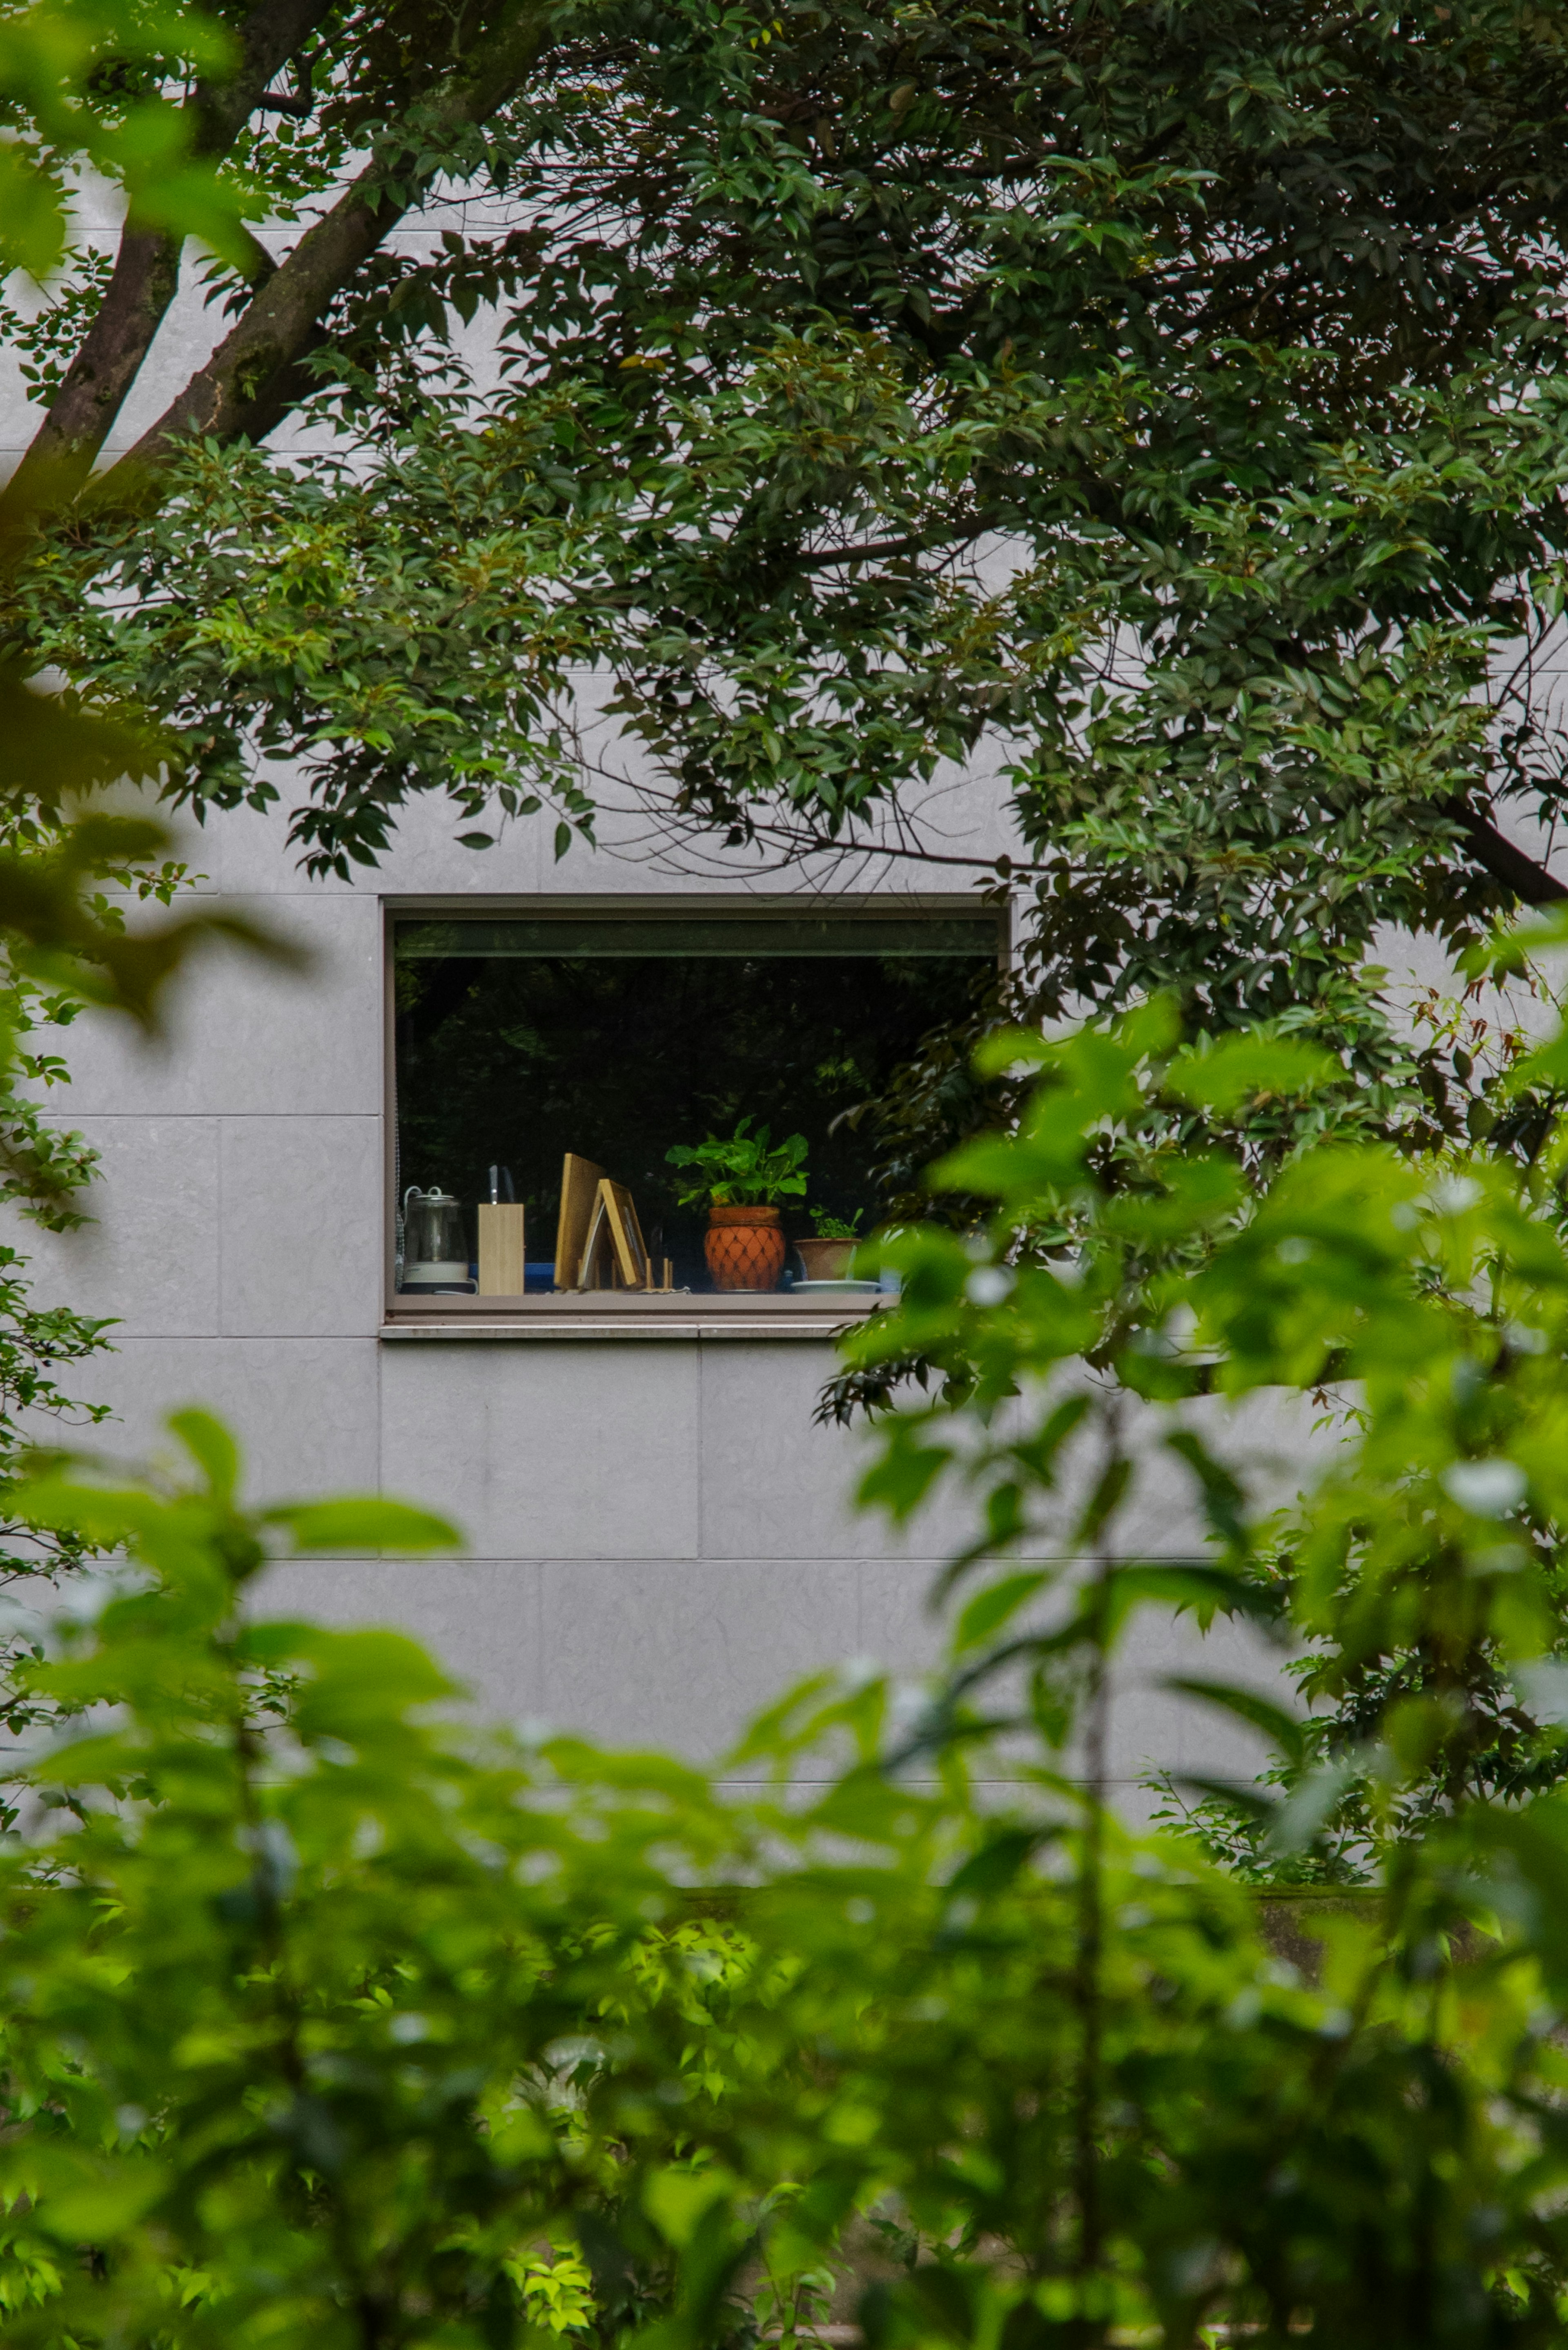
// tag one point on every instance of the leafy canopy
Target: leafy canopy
(1159, 405)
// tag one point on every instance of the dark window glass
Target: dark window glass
(519, 1040)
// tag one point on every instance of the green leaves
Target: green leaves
(318, 1963)
(1424, 1308)
(371, 2014)
(60, 937)
(742, 1168)
(363, 1525)
(755, 435)
(994, 1607)
(1281, 1729)
(1231, 1071)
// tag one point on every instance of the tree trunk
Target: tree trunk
(254, 378)
(146, 275)
(82, 413)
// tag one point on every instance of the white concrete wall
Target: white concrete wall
(659, 1537)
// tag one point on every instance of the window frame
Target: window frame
(601, 1315)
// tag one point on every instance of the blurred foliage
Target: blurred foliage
(84, 86)
(326, 2021)
(86, 83)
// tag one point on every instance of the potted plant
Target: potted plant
(828, 1256)
(742, 1177)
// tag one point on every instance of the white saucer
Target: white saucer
(838, 1288)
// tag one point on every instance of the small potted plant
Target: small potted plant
(742, 1177)
(828, 1256)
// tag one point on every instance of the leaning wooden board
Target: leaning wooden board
(630, 1248)
(580, 1181)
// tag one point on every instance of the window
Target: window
(526, 1039)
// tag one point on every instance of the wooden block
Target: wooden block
(501, 1250)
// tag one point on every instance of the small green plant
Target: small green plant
(833, 1228)
(743, 1169)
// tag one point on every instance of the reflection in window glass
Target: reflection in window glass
(518, 1041)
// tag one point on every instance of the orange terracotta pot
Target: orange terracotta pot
(745, 1247)
(826, 1260)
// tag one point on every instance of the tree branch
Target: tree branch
(146, 275)
(268, 38)
(254, 376)
(1530, 882)
(874, 550)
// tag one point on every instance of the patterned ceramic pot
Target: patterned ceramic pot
(745, 1247)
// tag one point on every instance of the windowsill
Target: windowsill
(631, 1315)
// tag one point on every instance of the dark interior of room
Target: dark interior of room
(515, 1059)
